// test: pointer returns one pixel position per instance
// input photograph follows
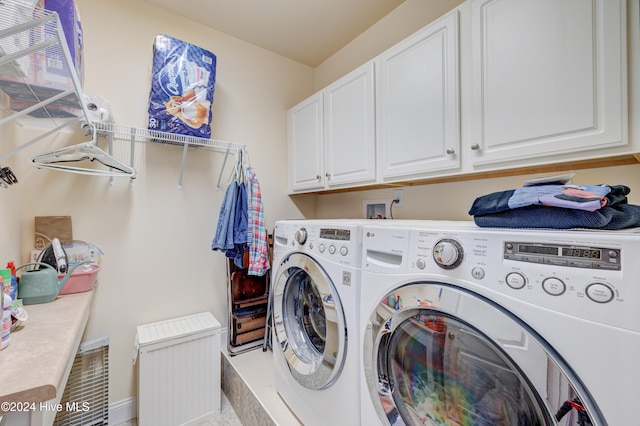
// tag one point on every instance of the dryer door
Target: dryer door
(309, 322)
(453, 357)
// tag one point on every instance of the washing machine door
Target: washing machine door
(452, 357)
(309, 322)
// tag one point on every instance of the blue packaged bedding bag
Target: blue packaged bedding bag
(182, 86)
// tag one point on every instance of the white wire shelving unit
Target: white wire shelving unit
(31, 42)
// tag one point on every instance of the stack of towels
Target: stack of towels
(557, 206)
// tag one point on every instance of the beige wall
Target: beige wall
(158, 262)
(10, 203)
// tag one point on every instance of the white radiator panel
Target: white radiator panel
(179, 370)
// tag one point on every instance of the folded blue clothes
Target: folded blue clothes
(619, 216)
(572, 197)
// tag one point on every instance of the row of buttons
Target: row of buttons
(332, 249)
(598, 292)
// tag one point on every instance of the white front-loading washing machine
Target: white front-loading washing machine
(463, 325)
(315, 286)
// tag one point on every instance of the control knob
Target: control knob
(448, 253)
(301, 236)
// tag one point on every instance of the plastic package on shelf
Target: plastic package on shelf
(182, 86)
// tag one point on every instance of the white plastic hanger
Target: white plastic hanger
(80, 152)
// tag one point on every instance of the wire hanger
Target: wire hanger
(83, 151)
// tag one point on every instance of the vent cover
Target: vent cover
(85, 401)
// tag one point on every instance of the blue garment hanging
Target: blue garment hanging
(240, 228)
(232, 229)
(223, 239)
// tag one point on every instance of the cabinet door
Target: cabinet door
(418, 102)
(548, 77)
(350, 128)
(306, 145)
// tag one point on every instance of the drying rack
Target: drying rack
(133, 135)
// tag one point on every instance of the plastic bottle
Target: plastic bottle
(6, 320)
(398, 303)
(5, 275)
(14, 280)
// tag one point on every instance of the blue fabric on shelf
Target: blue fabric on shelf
(620, 216)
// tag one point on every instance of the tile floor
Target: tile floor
(227, 417)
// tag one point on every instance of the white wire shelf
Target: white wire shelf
(134, 135)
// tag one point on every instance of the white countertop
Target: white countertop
(36, 364)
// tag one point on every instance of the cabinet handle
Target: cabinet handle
(451, 151)
(328, 175)
(475, 147)
(319, 178)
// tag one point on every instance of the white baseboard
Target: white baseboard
(123, 411)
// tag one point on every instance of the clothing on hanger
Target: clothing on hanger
(231, 231)
(257, 233)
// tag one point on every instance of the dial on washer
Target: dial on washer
(448, 253)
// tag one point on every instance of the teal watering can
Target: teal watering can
(42, 286)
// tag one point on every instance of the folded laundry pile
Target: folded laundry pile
(557, 206)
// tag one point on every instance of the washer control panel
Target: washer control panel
(570, 255)
(337, 242)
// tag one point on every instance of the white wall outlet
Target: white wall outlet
(397, 195)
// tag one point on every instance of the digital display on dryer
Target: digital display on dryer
(582, 252)
(335, 234)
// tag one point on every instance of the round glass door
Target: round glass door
(459, 359)
(309, 322)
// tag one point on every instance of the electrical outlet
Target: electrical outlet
(397, 195)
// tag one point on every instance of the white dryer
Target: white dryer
(315, 287)
(463, 325)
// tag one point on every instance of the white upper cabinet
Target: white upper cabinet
(490, 86)
(332, 135)
(349, 130)
(417, 98)
(548, 78)
(306, 144)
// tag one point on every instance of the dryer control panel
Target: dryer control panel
(586, 274)
(577, 256)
